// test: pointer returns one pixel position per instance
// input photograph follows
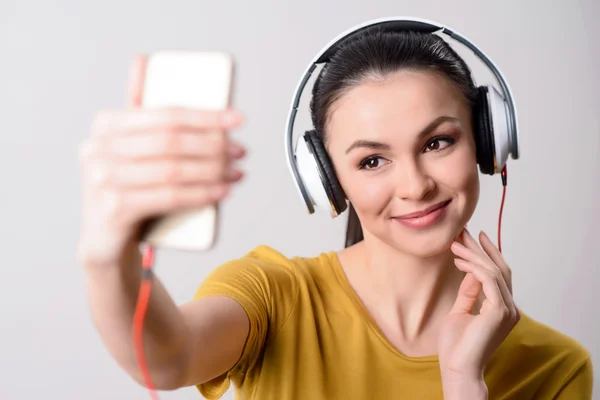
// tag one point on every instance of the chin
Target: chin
(426, 245)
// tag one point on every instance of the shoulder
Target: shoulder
(533, 335)
(303, 267)
(268, 256)
(541, 357)
(263, 281)
(264, 272)
(267, 264)
(263, 264)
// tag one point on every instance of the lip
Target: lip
(424, 212)
(425, 218)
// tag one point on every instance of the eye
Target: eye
(438, 143)
(372, 162)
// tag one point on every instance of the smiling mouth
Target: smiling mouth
(424, 212)
(424, 218)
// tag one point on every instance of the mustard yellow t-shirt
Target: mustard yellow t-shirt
(311, 338)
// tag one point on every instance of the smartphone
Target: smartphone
(190, 79)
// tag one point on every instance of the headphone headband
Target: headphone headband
(393, 24)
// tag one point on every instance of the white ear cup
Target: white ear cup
(498, 111)
(311, 176)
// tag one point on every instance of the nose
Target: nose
(414, 183)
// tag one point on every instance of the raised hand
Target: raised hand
(140, 163)
(468, 340)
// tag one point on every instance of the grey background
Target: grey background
(60, 62)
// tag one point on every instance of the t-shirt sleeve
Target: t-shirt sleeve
(264, 283)
(579, 386)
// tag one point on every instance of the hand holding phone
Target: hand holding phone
(196, 80)
(149, 165)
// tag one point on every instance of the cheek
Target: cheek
(369, 193)
(456, 172)
(459, 174)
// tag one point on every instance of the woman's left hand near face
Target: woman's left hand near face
(468, 341)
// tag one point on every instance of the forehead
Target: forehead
(401, 104)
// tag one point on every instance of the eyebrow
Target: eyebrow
(382, 146)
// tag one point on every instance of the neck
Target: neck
(407, 292)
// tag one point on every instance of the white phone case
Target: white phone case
(190, 79)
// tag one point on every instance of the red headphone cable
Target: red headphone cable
(139, 315)
(503, 174)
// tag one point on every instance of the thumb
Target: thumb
(468, 294)
(135, 87)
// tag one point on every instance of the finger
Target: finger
(492, 251)
(468, 294)
(165, 144)
(162, 145)
(470, 243)
(130, 175)
(489, 281)
(137, 72)
(137, 205)
(469, 254)
(168, 119)
(483, 257)
(475, 258)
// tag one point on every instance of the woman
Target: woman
(413, 308)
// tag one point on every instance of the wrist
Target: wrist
(125, 272)
(126, 259)
(460, 387)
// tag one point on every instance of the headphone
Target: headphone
(495, 122)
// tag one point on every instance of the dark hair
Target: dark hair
(373, 54)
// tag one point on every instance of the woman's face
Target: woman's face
(401, 146)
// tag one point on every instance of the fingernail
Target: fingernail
(233, 173)
(458, 245)
(235, 150)
(459, 262)
(219, 191)
(230, 117)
